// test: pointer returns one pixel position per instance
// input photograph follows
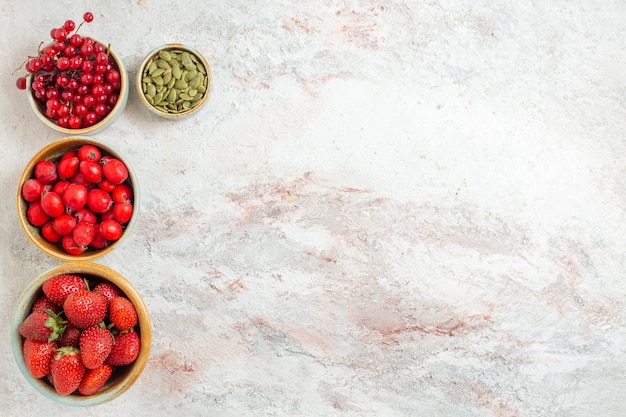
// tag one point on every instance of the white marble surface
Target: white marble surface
(387, 208)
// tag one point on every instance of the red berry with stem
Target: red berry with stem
(88, 17)
(89, 153)
(71, 247)
(46, 172)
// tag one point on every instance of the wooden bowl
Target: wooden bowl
(123, 377)
(52, 152)
(141, 83)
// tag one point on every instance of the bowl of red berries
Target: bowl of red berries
(77, 198)
(75, 84)
(81, 334)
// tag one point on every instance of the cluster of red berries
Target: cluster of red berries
(83, 200)
(77, 337)
(74, 79)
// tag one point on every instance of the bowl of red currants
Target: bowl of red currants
(77, 199)
(81, 334)
(75, 84)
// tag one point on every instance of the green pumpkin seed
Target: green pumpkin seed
(150, 90)
(157, 72)
(167, 76)
(196, 81)
(171, 97)
(176, 72)
(161, 63)
(186, 59)
(191, 75)
(165, 55)
(180, 84)
(174, 81)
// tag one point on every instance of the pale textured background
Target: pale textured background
(407, 208)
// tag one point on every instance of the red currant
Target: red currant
(69, 25)
(21, 83)
(88, 17)
(74, 122)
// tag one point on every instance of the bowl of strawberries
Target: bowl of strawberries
(81, 334)
(77, 198)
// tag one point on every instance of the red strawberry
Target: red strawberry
(37, 356)
(44, 326)
(85, 308)
(95, 345)
(59, 287)
(125, 349)
(43, 303)
(95, 379)
(66, 370)
(70, 336)
(122, 313)
(108, 290)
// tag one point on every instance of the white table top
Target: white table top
(386, 208)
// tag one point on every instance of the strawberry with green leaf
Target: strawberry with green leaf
(45, 326)
(122, 313)
(66, 370)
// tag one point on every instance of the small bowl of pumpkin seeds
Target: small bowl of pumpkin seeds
(174, 81)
